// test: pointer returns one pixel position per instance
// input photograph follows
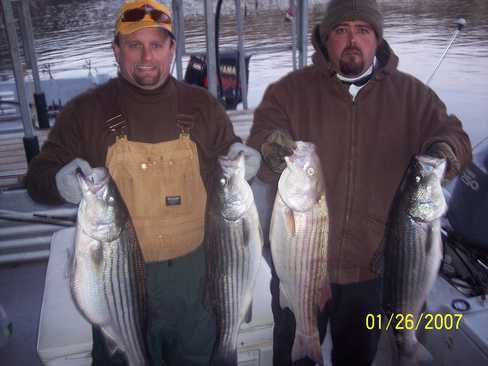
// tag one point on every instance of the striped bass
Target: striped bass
(107, 274)
(413, 252)
(298, 235)
(233, 245)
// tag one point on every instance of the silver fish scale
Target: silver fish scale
(107, 279)
(125, 301)
(300, 259)
(233, 256)
(310, 229)
(407, 279)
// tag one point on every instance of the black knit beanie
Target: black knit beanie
(341, 10)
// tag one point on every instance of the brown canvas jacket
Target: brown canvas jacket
(81, 129)
(365, 145)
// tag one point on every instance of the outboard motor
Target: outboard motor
(468, 206)
(230, 93)
(5, 327)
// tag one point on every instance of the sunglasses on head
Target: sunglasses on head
(135, 15)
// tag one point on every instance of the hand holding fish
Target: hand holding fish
(67, 183)
(443, 150)
(278, 145)
(252, 158)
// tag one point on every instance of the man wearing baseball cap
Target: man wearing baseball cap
(367, 119)
(160, 140)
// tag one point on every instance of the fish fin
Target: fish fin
(248, 316)
(433, 240)
(324, 296)
(290, 222)
(110, 343)
(408, 350)
(69, 267)
(206, 290)
(307, 346)
(224, 358)
(377, 264)
(246, 232)
(284, 299)
(96, 252)
(387, 343)
(418, 355)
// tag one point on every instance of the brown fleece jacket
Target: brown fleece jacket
(81, 130)
(365, 145)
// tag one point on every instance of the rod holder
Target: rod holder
(31, 147)
(41, 108)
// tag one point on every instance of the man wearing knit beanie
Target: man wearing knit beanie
(367, 120)
(351, 31)
(342, 10)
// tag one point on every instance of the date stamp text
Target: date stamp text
(424, 321)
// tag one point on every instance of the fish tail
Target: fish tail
(307, 346)
(412, 352)
(220, 358)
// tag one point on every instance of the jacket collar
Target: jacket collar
(147, 96)
(388, 61)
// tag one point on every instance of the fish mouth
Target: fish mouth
(302, 151)
(232, 168)
(96, 180)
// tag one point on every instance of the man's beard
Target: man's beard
(148, 80)
(351, 64)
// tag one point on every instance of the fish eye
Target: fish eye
(418, 178)
(310, 171)
(223, 181)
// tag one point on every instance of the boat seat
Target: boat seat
(64, 336)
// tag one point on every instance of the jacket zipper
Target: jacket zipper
(351, 173)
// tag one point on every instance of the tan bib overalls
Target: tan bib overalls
(164, 192)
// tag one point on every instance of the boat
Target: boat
(49, 330)
(57, 93)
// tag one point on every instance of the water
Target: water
(73, 36)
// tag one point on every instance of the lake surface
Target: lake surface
(72, 36)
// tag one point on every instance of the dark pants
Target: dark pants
(181, 330)
(346, 312)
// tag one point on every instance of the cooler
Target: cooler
(64, 336)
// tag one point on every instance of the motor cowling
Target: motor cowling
(468, 206)
(5, 327)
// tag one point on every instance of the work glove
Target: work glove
(67, 183)
(252, 158)
(443, 150)
(278, 145)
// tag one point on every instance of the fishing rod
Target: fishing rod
(37, 218)
(461, 22)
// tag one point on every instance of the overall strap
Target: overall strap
(185, 118)
(115, 123)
